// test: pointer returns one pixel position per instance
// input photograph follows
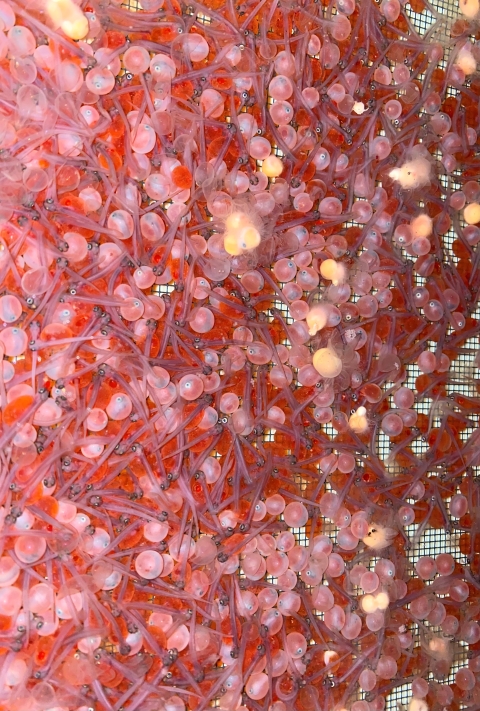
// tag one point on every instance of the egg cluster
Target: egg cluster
(239, 392)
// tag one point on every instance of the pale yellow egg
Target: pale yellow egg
(77, 29)
(272, 166)
(236, 221)
(421, 226)
(328, 269)
(249, 238)
(471, 214)
(466, 62)
(327, 363)
(358, 420)
(231, 245)
(382, 600)
(369, 604)
(316, 319)
(469, 8)
(69, 17)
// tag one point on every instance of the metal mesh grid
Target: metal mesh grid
(423, 21)
(431, 542)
